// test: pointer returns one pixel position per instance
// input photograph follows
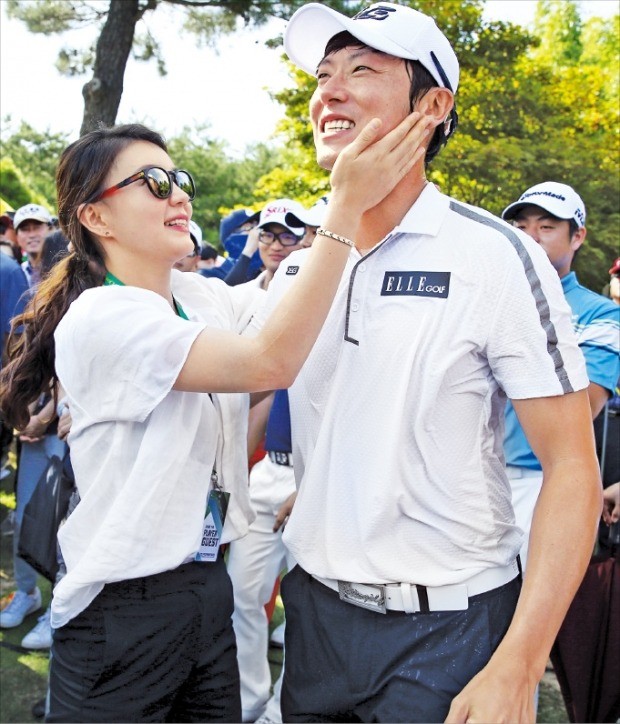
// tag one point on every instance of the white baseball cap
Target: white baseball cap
(31, 211)
(309, 217)
(556, 198)
(275, 212)
(196, 232)
(397, 30)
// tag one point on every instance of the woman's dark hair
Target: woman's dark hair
(81, 174)
(55, 248)
(421, 82)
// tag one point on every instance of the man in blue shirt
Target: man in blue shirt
(554, 215)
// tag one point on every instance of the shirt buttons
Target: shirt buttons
(355, 306)
(361, 267)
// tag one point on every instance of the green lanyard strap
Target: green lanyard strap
(111, 280)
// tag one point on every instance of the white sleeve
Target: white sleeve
(119, 351)
(531, 345)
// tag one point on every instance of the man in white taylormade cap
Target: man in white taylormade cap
(402, 605)
(554, 215)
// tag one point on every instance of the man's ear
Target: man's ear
(436, 103)
(93, 217)
(578, 238)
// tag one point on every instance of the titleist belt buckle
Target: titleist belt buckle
(365, 595)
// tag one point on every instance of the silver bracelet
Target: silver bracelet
(337, 237)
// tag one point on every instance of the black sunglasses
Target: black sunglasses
(158, 181)
(286, 238)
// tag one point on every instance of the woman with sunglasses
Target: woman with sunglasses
(142, 616)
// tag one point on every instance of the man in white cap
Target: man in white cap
(402, 605)
(256, 560)
(554, 215)
(32, 225)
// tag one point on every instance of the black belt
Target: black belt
(280, 458)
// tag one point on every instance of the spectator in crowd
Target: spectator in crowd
(55, 248)
(273, 239)
(554, 215)
(234, 229)
(310, 218)
(13, 296)
(136, 343)
(8, 237)
(189, 263)
(244, 267)
(257, 559)
(611, 509)
(208, 257)
(403, 506)
(38, 443)
(32, 224)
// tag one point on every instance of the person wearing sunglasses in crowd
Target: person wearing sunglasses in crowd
(142, 618)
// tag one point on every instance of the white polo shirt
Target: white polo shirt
(397, 415)
(142, 452)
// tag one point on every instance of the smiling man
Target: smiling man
(402, 605)
(32, 225)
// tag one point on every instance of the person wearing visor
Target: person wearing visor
(406, 603)
(156, 376)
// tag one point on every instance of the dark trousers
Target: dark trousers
(345, 663)
(159, 648)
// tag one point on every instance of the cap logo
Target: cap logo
(377, 13)
(579, 214)
(543, 193)
(275, 210)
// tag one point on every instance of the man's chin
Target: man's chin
(326, 158)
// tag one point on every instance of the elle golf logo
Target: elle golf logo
(416, 284)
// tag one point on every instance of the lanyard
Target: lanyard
(111, 280)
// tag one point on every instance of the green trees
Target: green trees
(222, 183)
(29, 159)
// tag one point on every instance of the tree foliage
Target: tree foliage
(222, 183)
(29, 160)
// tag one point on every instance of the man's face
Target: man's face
(31, 235)
(355, 85)
(552, 234)
(188, 263)
(273, 254)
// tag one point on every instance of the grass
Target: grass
(23, 674)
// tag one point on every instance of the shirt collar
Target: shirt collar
(427, 213)
(569, 281)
